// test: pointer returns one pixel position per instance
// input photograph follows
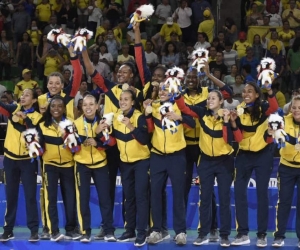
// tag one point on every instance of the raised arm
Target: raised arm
(140, 58)
(273, 104)
(194, 111)
(7, 109)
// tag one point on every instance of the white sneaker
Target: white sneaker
(241, 240)
(180, 239)
(154, 238)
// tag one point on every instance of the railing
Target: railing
(218, 18)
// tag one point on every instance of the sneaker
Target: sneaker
(72, 235)
(34, 237)
(100, 235)
(110, 237)
(261, 241)
(57, 236)
(45, 234)
(165, 234)
(213, 235)
(224, 241)
(155, 237)
(6, 236)
(180, 239)
(200, 240)
(85, 238)
(140, 240)
(278, 242)
(127, 236)
(241, 240)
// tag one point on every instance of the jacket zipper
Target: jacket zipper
(92, 146)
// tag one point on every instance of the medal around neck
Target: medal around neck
(221, 112)
(125, 86)
(120, 117)
(15, 118)
(240, 111)
(297, 147)
(155, 84)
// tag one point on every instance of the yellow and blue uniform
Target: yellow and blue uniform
(134, 167)
(168, 159)
(288, 177)
(18, 166)
(216, 161)
(58, 164)
(254, 154)
(90, 162)
(69, 92)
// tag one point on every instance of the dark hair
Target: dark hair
(149, 41)
(133, 98)
(98, 38)
(247, 68)
(47, 117)
(228, 43)
(204, 35)
(255, 113)
(41, 46)
(219, 94)
(230, 21)
(104, 45)
(166, 48)
(296, 44)
(29, 38)
(34, 96)
(8, 92)
(131, 66)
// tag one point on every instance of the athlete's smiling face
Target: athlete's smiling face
(249, 94)
(89, 107)
(295, 108)
(213, 101)
(55, 85)
(126, 102)
(57, 109)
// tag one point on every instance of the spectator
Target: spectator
(254, 17)
(7, 12)
(267, 43)
(95, 15)
(198, 7)
(67, 17)
(30, 8)
(238, 88)
(277, 4)
(82, 90)
(212, 54)
(216, 43)
(285, 35)
(43, 13)
(293, 63)
(2, 89)
(297, 34)
(266, 21)
(53, 62)
(35, 34)
(130, 38)
(125, 57)
(170, 57)
(114, 75)
(221, 37)
(41, 51)
(113, 45)
(250, 60)
(6, 55)
(52, 25)
(241, 45)
(292, 15)
(231, 103)
(258, 50)
(96, 46)
(279, 60)
(105, 56)
(151, 57)
(202, 41)
(207, 25)
(118, 30)
(275, 18)
(38, 91)
(26, 83)
(10, 96)
(230, 30)
(168, 28)
(163, 11)
(113, 11)
(24, 55)
(82, 12)
(157, 40)
(101, 67)
(230, 56)
(103, 29)
(230, 79)
(278, 94)
(182, 16)
(246, 72)
(20, 23)
(67, 77)
(219, 64)
(131, 7)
